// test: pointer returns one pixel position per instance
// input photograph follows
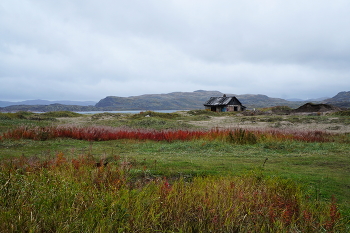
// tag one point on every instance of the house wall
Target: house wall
(214, 108)
(208, 108)
(228, 108)
(233, 108)
(217, 109)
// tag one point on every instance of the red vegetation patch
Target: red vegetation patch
(103, 133)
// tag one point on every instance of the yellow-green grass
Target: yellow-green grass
(323, 168)
(318, 170)
(79, 195)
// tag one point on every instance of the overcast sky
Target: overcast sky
(87, 50)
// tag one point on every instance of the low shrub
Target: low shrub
(241, 136)
(61, 114)
(278, 109)
(341, 113)
(40, 118)
(210, 113)
(161, 115)
(31, 116)
(157, 123)
(105, 115)
(5, 116)
(202, 112)
(16, 115)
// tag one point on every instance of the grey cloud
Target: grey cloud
(290, 48)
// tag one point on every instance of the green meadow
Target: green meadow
(243, 181)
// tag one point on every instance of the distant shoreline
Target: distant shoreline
(130, 111)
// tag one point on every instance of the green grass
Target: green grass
(10, 120)
(148, 120)
(156, 123)
(342, 113)
(61, 194)
(336, 118)
(309, 163)
(209, 113)
(141, 115)
(316, 172)
(43, 116)
(6, 125)
(61, 114)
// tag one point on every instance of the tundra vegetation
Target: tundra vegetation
(174, 172)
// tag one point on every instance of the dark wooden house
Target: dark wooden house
(224, 104)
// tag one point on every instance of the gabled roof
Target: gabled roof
(219, 101)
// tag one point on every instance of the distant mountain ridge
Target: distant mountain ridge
(48, 108)
(173, 101)
(342, 99)
(170, 101)
(186, 100)
(309, 100)
(47, 102)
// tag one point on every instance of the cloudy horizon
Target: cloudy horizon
(87, 50)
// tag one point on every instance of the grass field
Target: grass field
(229, 183)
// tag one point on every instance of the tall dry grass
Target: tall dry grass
(87, 195)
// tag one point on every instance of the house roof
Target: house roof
(219, 101)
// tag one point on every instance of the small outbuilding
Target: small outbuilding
(224, 104)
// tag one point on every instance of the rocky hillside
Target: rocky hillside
(174, 101)
(342, 99)
(263, 101)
